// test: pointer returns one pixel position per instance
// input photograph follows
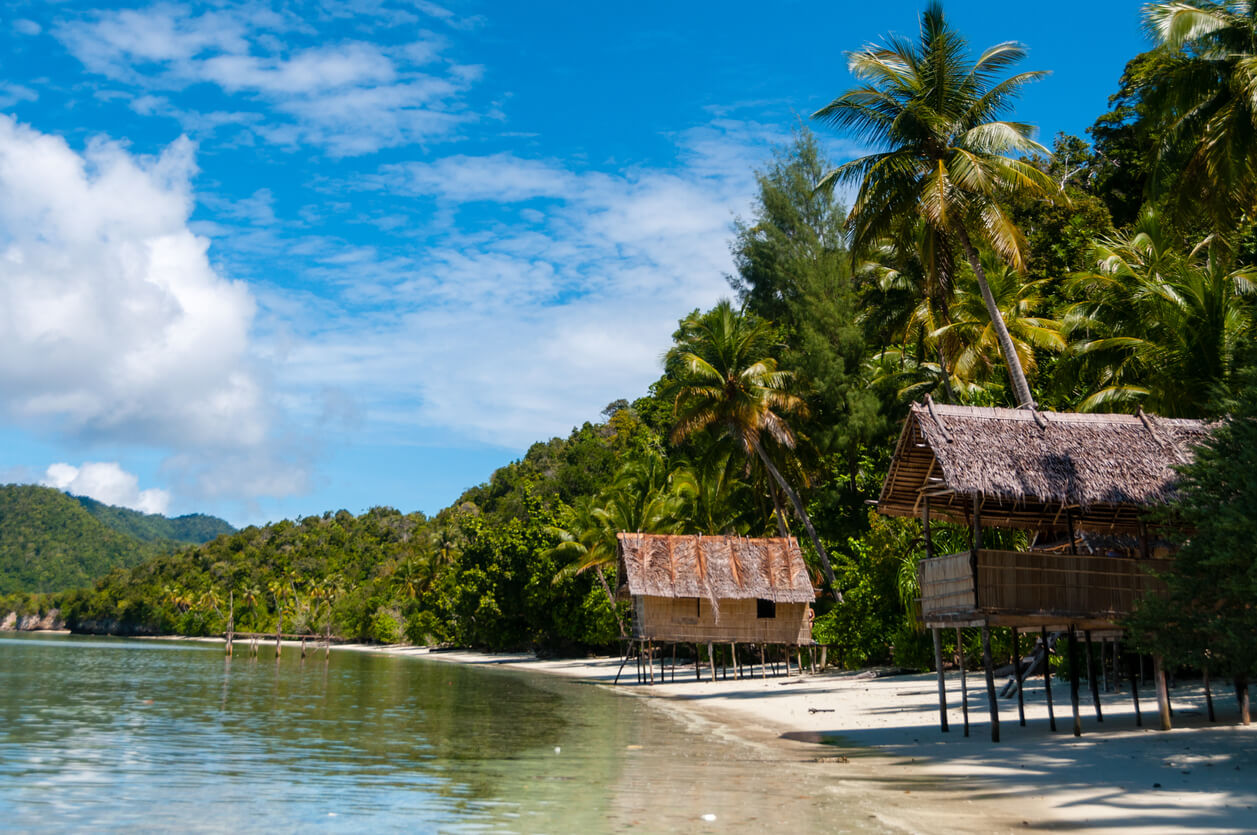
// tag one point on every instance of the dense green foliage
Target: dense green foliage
(50, 542)
(191, 528)
(975, 266)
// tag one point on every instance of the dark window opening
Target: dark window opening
(765, 608)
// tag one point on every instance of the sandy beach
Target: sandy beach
(880, 736)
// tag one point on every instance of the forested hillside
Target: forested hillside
(50, 542)
(975, 265)
(191, 528)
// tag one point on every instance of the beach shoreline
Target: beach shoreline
(877, 738)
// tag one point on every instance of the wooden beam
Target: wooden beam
(1073, 679)
(1021, 688)
(964, 688)
(1092, 680)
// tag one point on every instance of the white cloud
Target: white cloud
(351, 97)
(27, 27)
(106, 481)
(115, 325)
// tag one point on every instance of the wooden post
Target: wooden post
(942, 682)
(1134, 692)
(1104, 665)
(763, 665)
(278, 625)
(698, 663)
(1092, 680)
(925, 523)
(674, 663)
(303, 646)
(1073, 679)
(1021, 682)
(711, 660)
(964, 688)
(989, 666)
(1208, 693)
(1163, 696)
(231, 618)
(1073, 539)
(327, 647)
(1241, 697)
(1047, 677)
(733, 659)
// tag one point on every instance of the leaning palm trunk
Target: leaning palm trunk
(831, 584)
(602, 578)
(1025, 400)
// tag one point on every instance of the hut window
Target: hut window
(765, 608)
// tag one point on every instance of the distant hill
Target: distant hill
(51, 541)
(192, 528)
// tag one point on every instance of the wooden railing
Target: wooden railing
(1035, 583)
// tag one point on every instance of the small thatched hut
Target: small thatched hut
(716, 589)
(1083, 484)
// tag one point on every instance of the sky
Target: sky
(264, 260)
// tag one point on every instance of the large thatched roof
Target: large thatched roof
(714, 567)
(1031, 469)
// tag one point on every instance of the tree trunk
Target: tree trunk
(602, 578)
(780, 512)
(830, 583)
(1016, 374)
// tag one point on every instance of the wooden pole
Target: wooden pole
(674, 663)
(733, 656)
(698, 663)
(1134, 692)
(964, 688)
(1047, 677)
(1092, 680)
(1021, 682)
(1104, 666)
(711, 660)
(989, 666)
(942, 681)
(231, 618)
(1208, 694)
(763, 665)
(1163, 695)
(1073, 680)
(1241, 696)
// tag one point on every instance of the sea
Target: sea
(109, 735)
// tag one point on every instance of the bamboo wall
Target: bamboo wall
(693, 620)
(1067, 587)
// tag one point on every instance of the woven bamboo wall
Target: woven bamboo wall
(1064, 584)
(690, 619)
(946, 584)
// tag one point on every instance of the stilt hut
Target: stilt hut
(1081, 484)
(716, 590)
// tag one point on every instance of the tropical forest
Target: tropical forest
(963, 258)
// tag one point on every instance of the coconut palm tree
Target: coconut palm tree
(972, 336)
(728, 380)
(1203, 92)
(1156, 327)
(943, 151)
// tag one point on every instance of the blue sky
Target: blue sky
(266, 260)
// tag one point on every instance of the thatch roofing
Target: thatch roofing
(714, 567)
(1030, 469)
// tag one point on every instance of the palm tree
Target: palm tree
(935, 117)
(1203, 92)
(1157, 327)
(729, 380)
(973, 340)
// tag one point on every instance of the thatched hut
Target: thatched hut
(721, 589)
(1083, 484)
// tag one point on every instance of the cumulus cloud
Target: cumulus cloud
(106, 481)
(115, 325)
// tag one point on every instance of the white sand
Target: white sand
(1198, 777)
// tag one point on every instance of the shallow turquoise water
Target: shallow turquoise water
(114, 734)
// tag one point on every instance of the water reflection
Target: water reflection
(138, 734)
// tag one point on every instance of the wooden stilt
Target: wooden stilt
(1104, 666)
(1117, 664)
(711, 660)
(1134, 692)
(1021, 682)
(1208, 693)
(763, 664)
(1073, 680)
(1092, 681)
(674, 663)
(964, 687)
(942, 683)
(1163, 696)
(1047, 677)
(733, 659)
(1241, 696)
(698, 658)
(989, 667)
